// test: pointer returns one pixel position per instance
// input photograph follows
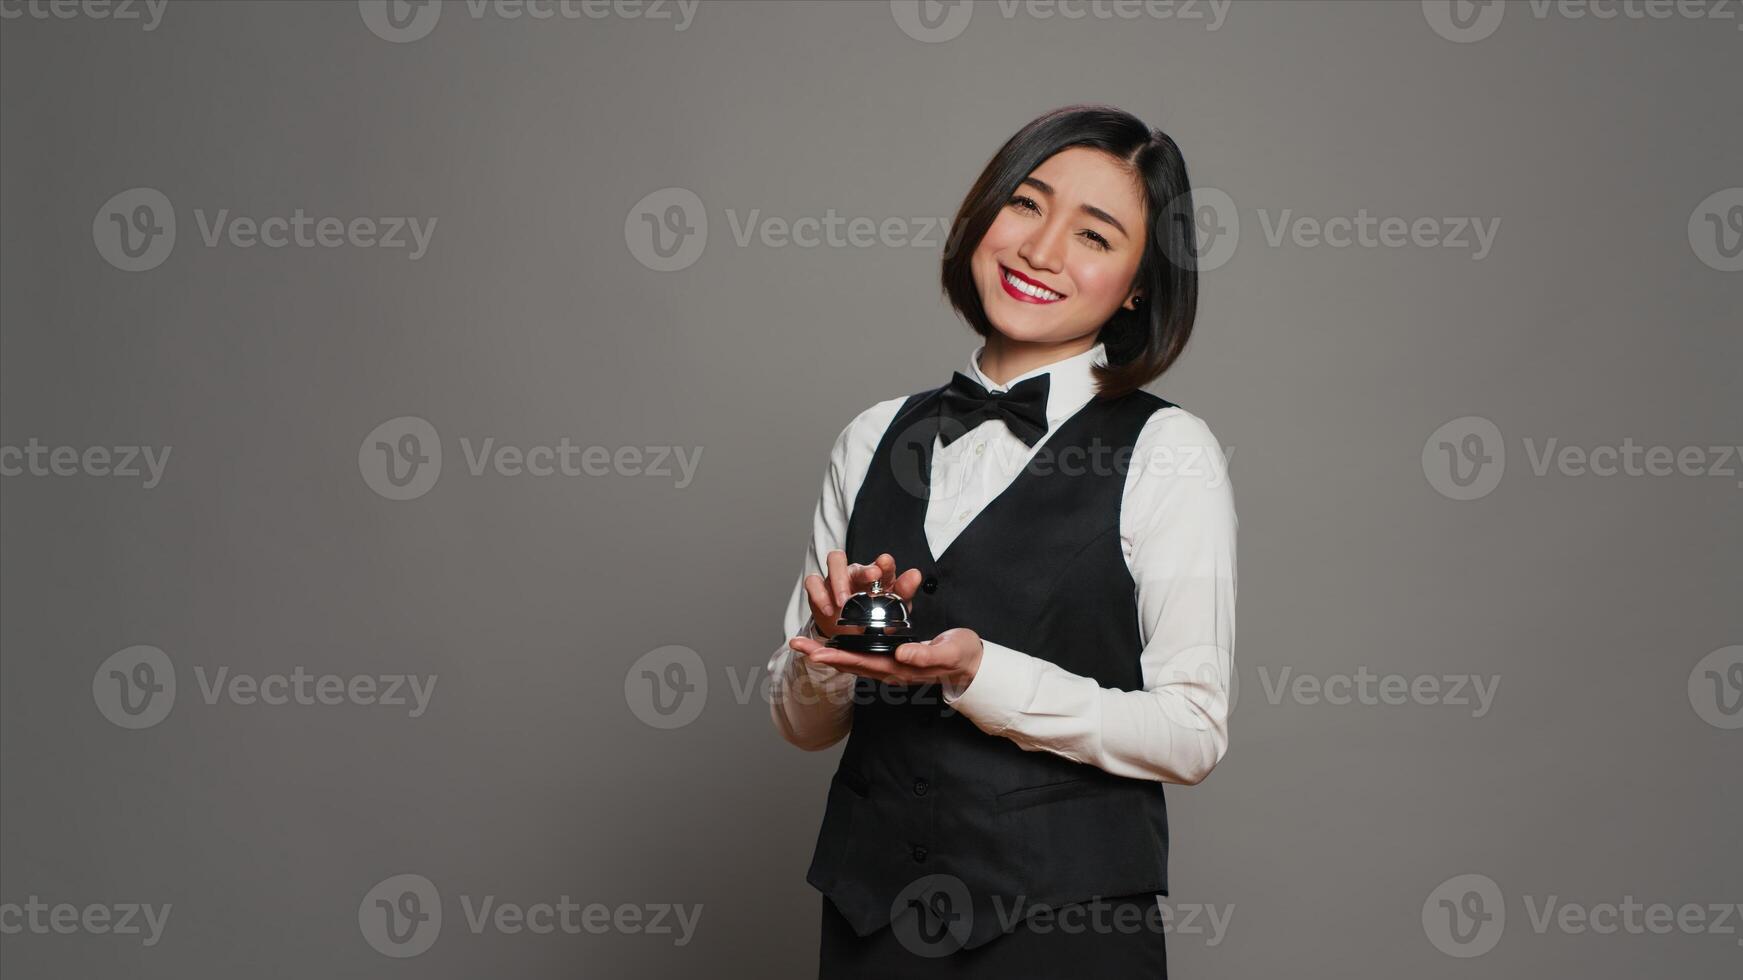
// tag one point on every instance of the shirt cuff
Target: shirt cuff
(1000, 689)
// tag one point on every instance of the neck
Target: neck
(1004, 358)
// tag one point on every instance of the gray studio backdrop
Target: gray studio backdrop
(413, 416)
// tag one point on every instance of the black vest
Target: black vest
(920, 790)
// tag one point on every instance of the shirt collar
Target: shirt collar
(1071, 386)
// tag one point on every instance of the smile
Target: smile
(1027, 290)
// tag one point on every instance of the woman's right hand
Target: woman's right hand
(827, 597)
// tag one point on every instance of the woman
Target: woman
(1068, 542)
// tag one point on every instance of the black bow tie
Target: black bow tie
(1023, 408)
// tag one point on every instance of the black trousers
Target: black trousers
(1103, 939)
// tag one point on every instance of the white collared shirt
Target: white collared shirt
(1177, 531)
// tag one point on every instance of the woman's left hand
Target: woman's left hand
(953, 656)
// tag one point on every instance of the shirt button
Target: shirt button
(921, 786)
(920, 852)
(929, 585)
(979, 448)
(962, 515)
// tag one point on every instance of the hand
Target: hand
(827, 598)
(952, 656)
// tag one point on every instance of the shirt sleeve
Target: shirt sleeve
(1178, 524)
(811, 703)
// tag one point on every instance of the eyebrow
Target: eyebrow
(1088, 209)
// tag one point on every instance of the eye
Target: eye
(1098, 241)
(1023, 202)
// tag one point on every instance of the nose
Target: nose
(1044, 248)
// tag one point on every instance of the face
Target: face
(1061, 256)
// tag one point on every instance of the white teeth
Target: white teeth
(1035, 291)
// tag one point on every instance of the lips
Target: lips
(1026, 289)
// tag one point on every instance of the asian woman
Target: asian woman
(1063, 542)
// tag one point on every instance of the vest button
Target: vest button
(919, 852)
(929, 585)
(921, 786)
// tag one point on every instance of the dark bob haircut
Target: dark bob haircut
(1140, 343)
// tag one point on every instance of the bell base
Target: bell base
(868, 642)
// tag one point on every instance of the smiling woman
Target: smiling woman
(1070, 587)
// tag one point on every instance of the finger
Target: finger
(923, 656)
(865, 575)
(822, 606)
(877, 668)
(886, 566)
(907, 585)
(838, 577)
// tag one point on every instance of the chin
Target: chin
(1027, 330)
